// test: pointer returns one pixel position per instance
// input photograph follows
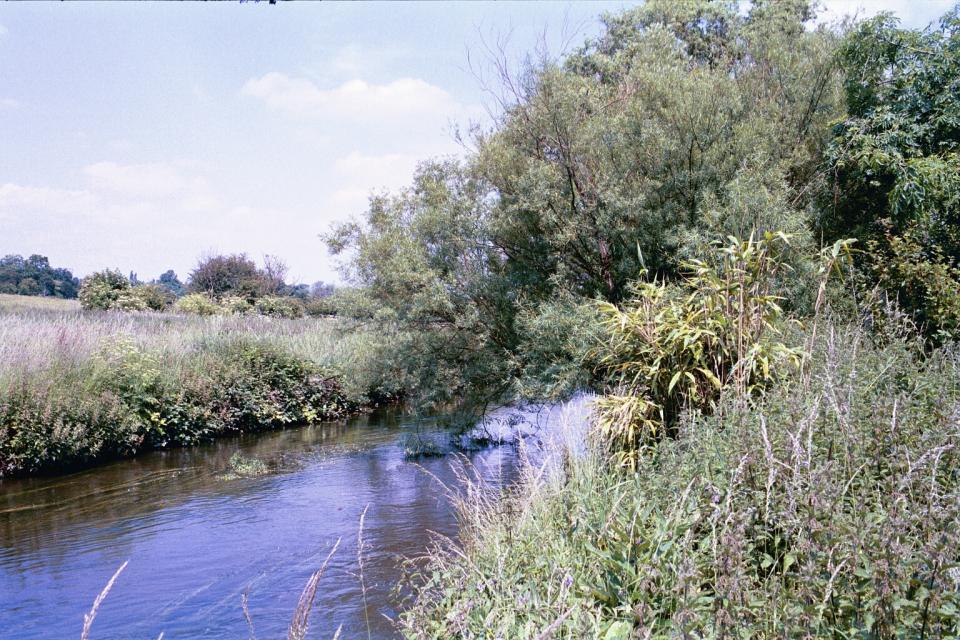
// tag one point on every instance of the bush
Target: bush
(104, 289)
(197, 304)
(676, 348)
(155, 297)
(236, 305)
(279, 307)
(129, 400)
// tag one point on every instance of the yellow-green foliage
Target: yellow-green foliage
(108, 289)
(197, 304)
(279, 307)
(235, 304)
(673, 347)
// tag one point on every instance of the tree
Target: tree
(274, 274)
(424, 257)
(681, 124)
(34, 276)
(895, 163)
(232, 274)
(170, 280)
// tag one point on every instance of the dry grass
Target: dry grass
(10, 303)
(88, 618)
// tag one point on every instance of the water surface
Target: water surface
(197, 538)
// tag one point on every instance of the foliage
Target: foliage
(679, 348)
(652, 136)
(553, 357)
(895, 163)
(680, 124)
(235, 305)
(197, 304)
(236, 275)
(155, 297)
(826, 509)
(170, 280)
(34, 276)
(424, 265)
(127, 399)
(923, 280)
(279, 307)
(109, 289)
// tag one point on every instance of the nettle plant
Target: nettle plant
(674, 347)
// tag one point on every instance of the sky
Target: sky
(142, 136)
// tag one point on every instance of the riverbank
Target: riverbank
(78, 388)
(827, 508)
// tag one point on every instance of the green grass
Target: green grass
(79, 386)
(828, 508)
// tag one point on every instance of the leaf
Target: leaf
(619, 630)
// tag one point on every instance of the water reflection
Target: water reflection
(197, 541)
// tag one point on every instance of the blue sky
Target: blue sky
(139, 136)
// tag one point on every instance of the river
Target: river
(197, 537)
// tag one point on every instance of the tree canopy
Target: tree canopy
(33, 276)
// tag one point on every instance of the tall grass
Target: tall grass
(827, 508)
(78, 386)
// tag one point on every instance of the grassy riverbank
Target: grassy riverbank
(826, 509)
(77, 387)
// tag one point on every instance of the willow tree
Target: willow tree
(424, 259)
(683, 121)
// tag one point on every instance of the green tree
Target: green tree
(682, 123)
(170, 280)
(894, 163)
(425, 257)
(220, 275)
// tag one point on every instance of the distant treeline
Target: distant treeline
(34, 276)
(219, 284)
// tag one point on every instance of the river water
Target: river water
(197, 537)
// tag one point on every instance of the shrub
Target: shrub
(197, 304)
(236, 305)
(103, 289)
(155, 297)
(128, 399)
(279, 307)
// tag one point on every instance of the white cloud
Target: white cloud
(149, 217)
(9, 103)
(387, 171)
(358, 99)
(17, 202)
(145, 180)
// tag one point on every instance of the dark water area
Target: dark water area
(197, 537)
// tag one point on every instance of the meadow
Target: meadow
(81, 386)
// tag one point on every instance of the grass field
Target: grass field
(12, 303)
(79, 386)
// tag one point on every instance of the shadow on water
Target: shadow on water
(198, 537)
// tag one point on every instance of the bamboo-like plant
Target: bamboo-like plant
(673, 347)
